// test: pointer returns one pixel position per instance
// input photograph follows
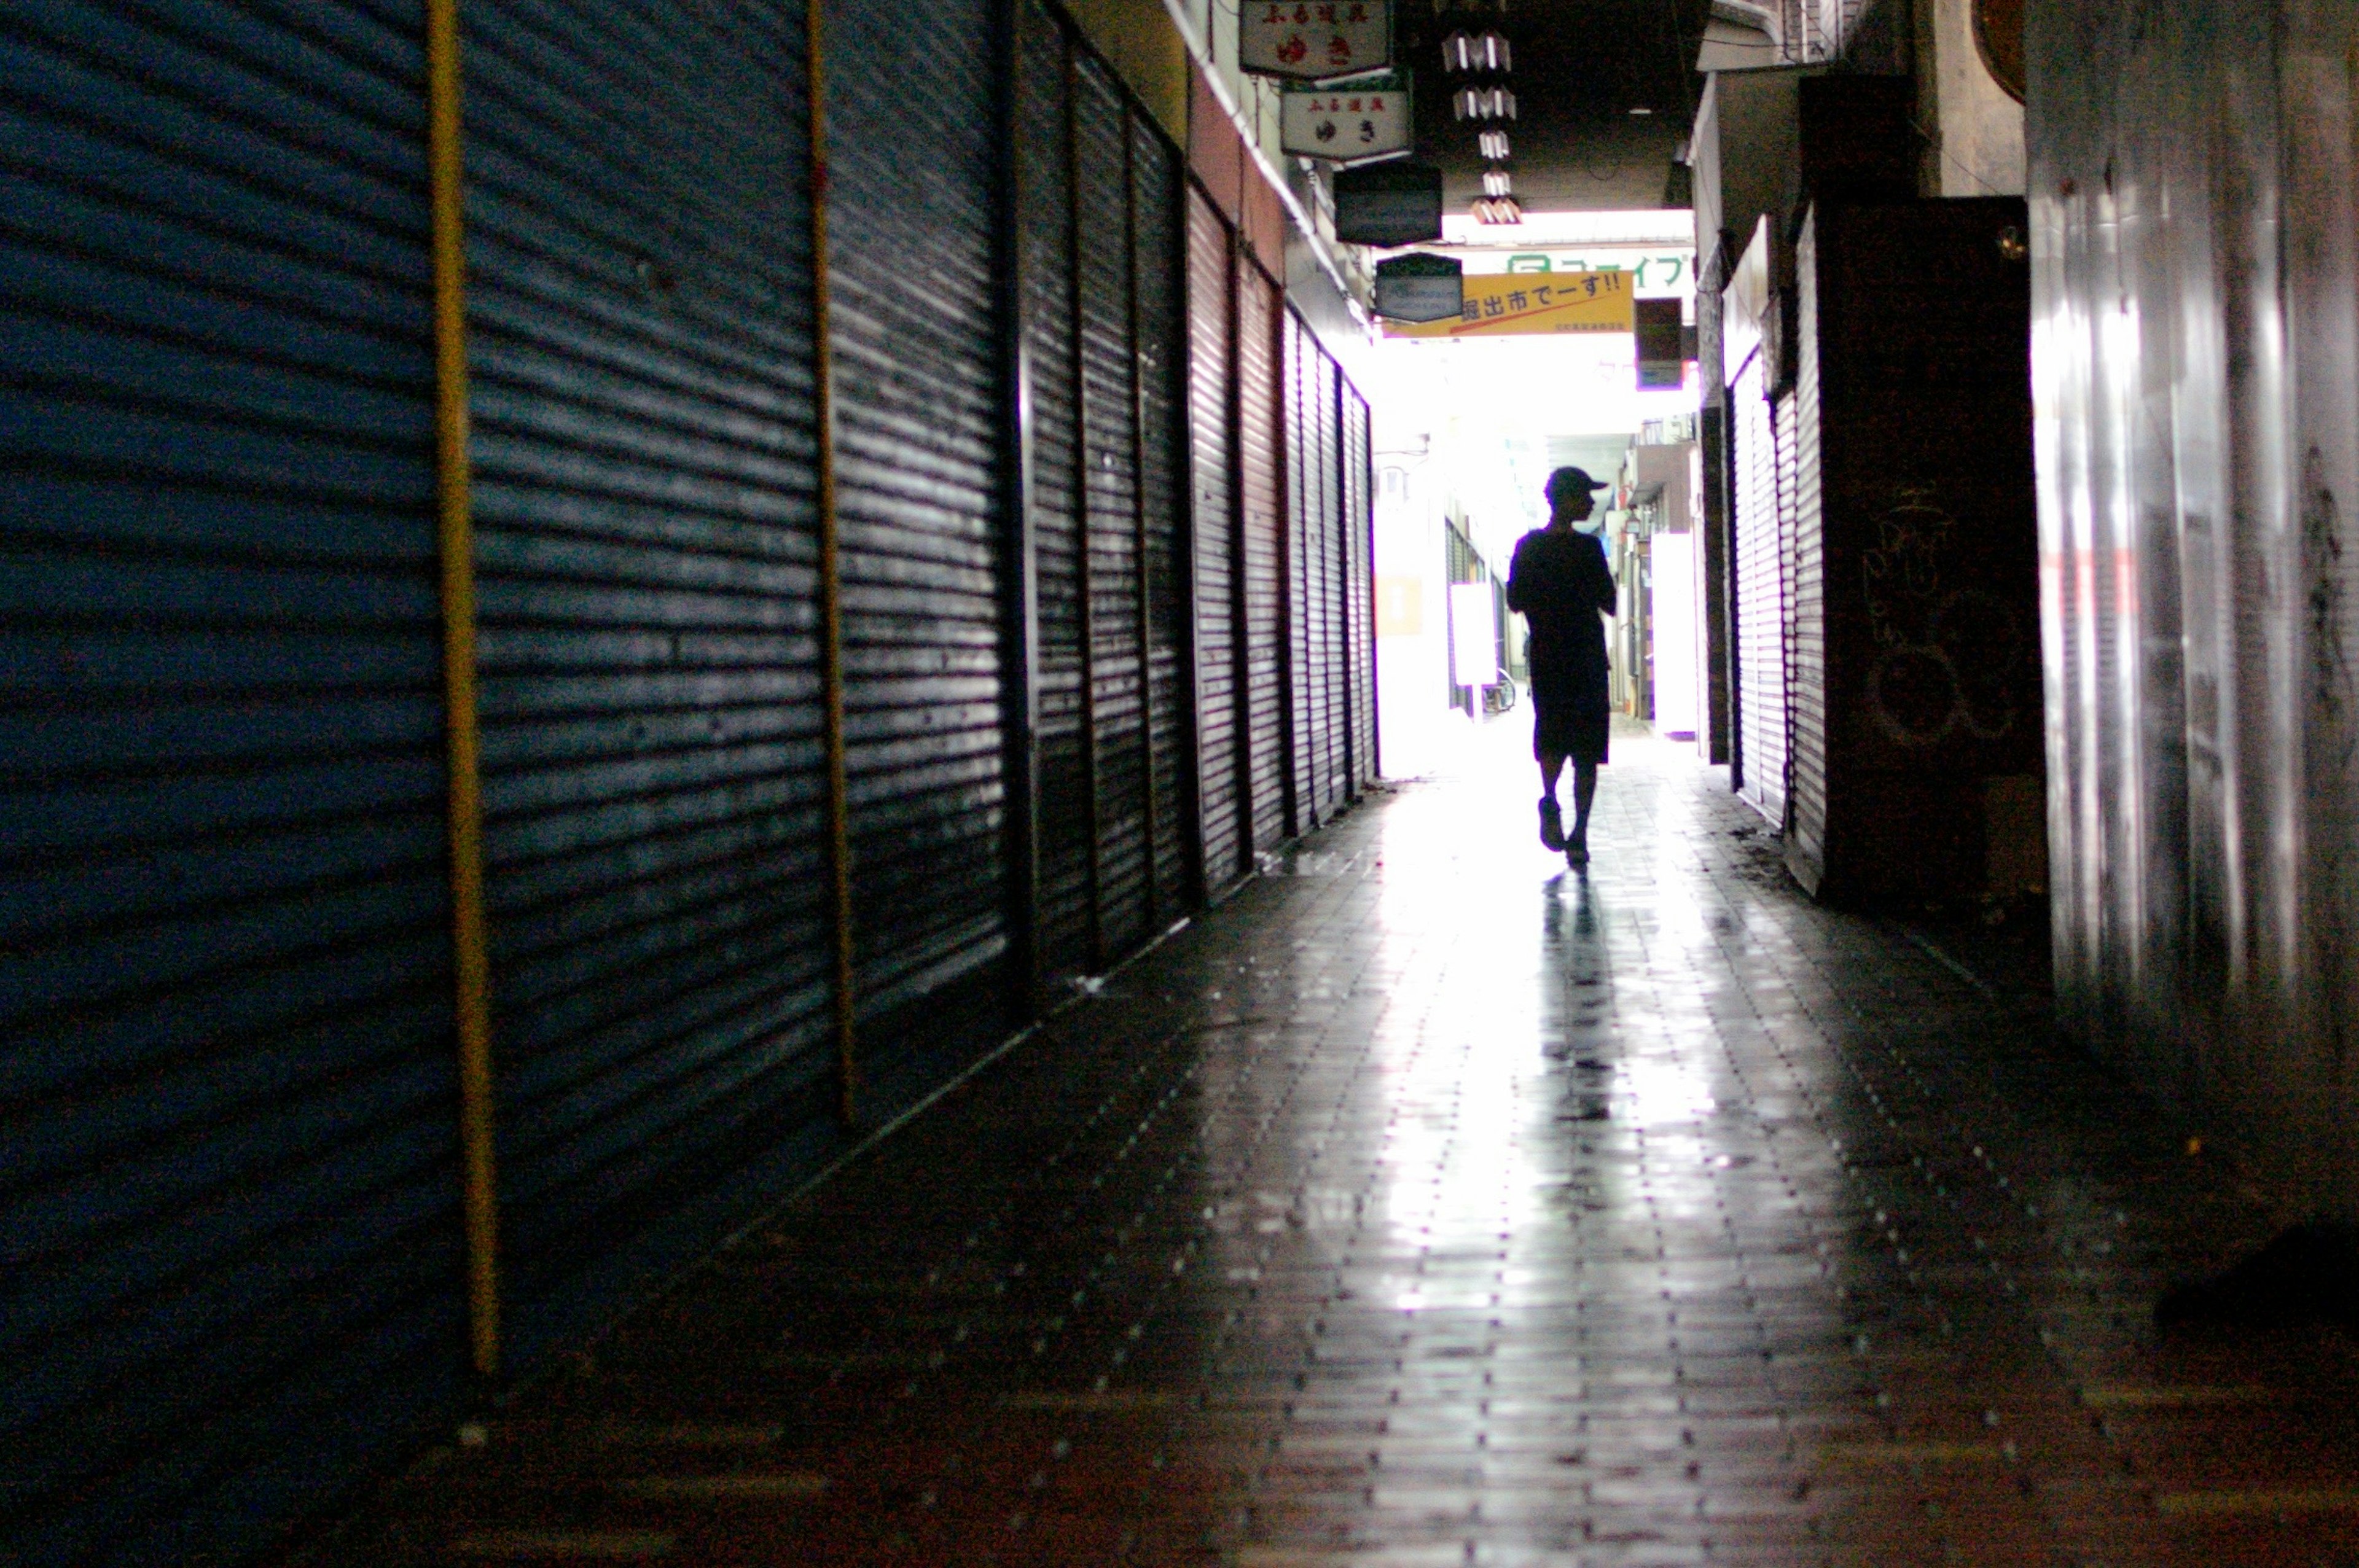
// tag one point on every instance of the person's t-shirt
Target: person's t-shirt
(1560, 582)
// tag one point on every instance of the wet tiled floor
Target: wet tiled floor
(1430, 1204)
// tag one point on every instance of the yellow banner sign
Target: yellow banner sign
(1507, 303)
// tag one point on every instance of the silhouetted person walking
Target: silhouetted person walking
(1561, 583)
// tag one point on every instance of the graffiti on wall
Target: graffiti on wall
(1949, 656)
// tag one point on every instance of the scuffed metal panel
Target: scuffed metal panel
(1261, 516)
(1211, 466)
(2194, 361)
(1760, 595)
(229, 1270)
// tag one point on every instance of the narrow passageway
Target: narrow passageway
(1429, 1204)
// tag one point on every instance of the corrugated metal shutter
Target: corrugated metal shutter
(1157, 247)
(1221, 756)
(1262, 520)
(227, 1196)
(1334, 649)
(920, 406)
(1067, 836)
(639, 289)
(1111, 502)
(1807, 698)
(1297, 608)
(1760, 592)
(1781, 412)
(1359, 520)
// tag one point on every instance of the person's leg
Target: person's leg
(1551, 769)
(1551, 815)
(1584, 791)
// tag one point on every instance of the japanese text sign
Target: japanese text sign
(1509, 304)
(1314, 39)
(1369, 119)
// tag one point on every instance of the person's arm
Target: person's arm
(1608, 598)
(1515, 579)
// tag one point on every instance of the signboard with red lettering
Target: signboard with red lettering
(1314, 40)
(1367, 119)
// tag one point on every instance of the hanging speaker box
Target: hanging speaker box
(1421, 287)
(1388, 204)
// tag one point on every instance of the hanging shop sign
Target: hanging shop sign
(1513, 304)
(1314, 40)
(1395, 203)
(1421, 287)
(1367, 119)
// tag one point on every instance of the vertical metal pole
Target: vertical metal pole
(831, 583)
(469, 940)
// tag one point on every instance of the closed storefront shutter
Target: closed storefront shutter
(1760, 589)
(920, 406)
(1110, 500)
(1333, 652)
(227, 1185)
(1159, 293)
(640, 300)
(1217, 622)
(1359, 501)
(1260, 435)
(1806, 636)
(1067, 836)
(1300, 606)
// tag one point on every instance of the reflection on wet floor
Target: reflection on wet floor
(1429, 1204)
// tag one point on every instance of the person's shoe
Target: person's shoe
(1576, 853)
(1551, 824)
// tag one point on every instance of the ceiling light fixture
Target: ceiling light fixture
(1473, 52)
(1498, 182)
(1494, 145)
(1498, 210)
(1484, 103)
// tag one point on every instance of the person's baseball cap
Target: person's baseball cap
(1570, 481)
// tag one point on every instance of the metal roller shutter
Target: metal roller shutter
(1334, 649)
(1221, 757)
(1359, 522)
(1111, 505)
(919, 407)
(1807, 645)
(1066, 836)
(1262, 522)
(1298, 607)
(1157, 247)
(227, 1185)
(639, 297)
(1760, 587)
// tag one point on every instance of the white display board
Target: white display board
(1314, 40)
(1365, 120)
(1474, 634)
(1674, 624)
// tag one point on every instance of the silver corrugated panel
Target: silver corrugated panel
(1158, 267)
(920, 406)
(2196, 272)
(1298, 606)
(1261, 515)
(1218, 621)
(1359, 522)
(229, 1279)
(1806, 849)
(1067, 836)
(1110, 459)
(639, 296)
(1760, 595)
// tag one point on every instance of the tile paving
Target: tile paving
(1429, 1204)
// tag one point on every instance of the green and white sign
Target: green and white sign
(1367, 119)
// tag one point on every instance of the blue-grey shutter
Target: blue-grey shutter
(1111, 503)
(919, 407)
(1217, 622)
(640, 332)
(1157, 250)
(1261, 422)
(228, 1239)
(1066, 837)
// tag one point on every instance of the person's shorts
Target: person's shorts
(1560, 728)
